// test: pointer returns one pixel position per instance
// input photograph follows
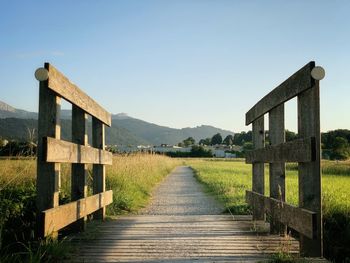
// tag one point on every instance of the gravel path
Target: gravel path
(181, 194)
(182, 224)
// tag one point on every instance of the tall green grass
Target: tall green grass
(228, 180)
(131, 178)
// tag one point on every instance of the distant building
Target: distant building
(224, 151)
(164, 148)
(132, 148)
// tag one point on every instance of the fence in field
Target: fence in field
(306, 219)
(52, 151)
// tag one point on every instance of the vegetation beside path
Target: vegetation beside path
(228, 180)
(131, 177)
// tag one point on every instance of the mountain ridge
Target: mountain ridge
(124, 130)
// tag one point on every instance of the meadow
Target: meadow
(131, 177)
(228, 180)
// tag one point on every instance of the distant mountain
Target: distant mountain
(160, 134)
(14, 124)
(120, 116)
(7, 111)
(18, 129)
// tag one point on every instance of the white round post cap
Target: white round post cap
(41, 74)
(318, 73)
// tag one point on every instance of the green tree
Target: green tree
(290, 136)
(335, 144)
(199, 151)
(201, 142)
(248, 146)
(228, 140)
(189, 141)
(341, 150)
(206, 141)
(241, 138)
(216, 139)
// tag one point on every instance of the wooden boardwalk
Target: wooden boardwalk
(166, 236)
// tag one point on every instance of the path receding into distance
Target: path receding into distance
(181, 194)
(181, 224)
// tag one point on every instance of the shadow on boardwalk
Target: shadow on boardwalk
(182, 224)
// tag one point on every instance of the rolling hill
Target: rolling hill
(160, 134)
(125, 130)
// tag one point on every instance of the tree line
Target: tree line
(216, 139)
(335, 144)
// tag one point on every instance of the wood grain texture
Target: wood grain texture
(185, 238)
(294, 85)
(277, 170)
(79, 173)
(48, 174)
(258, 177)
(310, 173)
(98, 170)
(299, 150)
(301, 220)
(61, 216)
(60, 151)
(69, 91)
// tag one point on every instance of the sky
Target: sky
(178, 63)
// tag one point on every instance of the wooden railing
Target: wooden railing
(52, 151)
(307, 217)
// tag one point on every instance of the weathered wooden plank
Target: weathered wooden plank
(98, 170)
(48, 174)
(61, 216)
(60, 151)
(299, 150)
(79, 173)
(69, 91)
(181, 244)
(310, 173)
(301, 220)
(258, 181)
(277, 170)
(294, 85)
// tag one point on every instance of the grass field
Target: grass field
(131, 178)
(228, 180)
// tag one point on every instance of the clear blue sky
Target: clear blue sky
(178, 63)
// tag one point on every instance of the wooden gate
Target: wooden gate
(52, 151)
(307, 218)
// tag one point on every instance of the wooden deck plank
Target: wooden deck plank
(203, 238)
(163, 234)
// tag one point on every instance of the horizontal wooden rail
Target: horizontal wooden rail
(300, 150)
(67, 90)
(58, 151)
(58, 217)
(301, 220)
(294, 85)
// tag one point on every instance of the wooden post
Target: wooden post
(258, 183)
(48, 174)
(277, 170)
(310, 173)
(99, 173)
(79, 171)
